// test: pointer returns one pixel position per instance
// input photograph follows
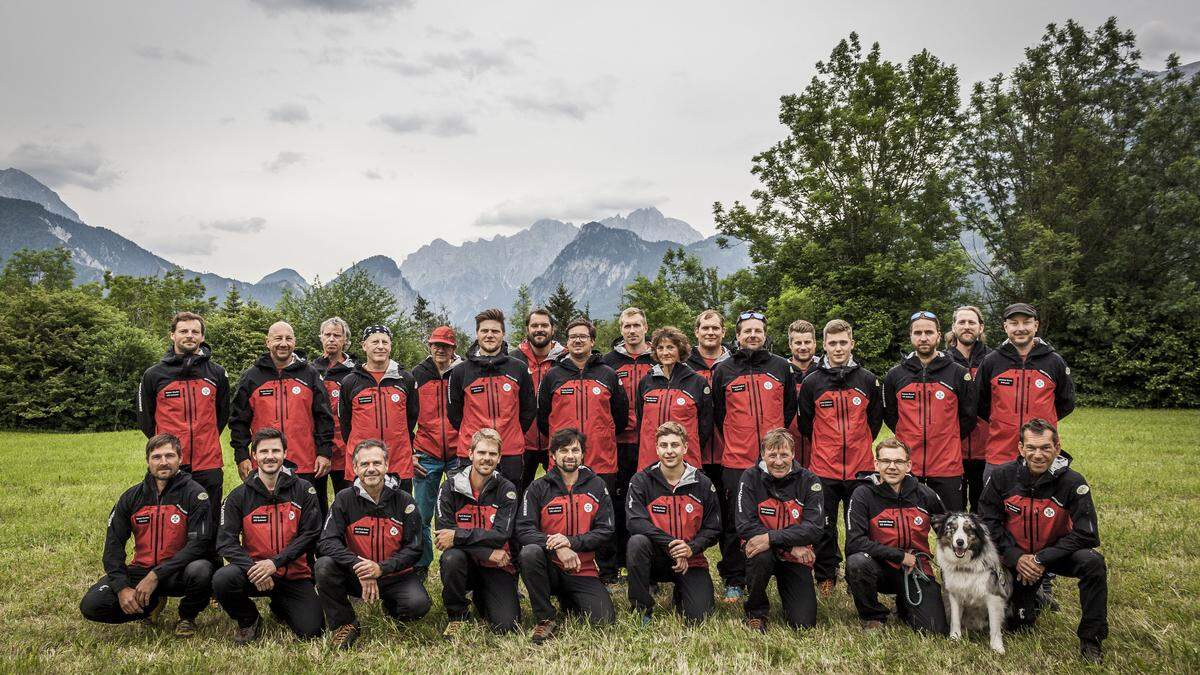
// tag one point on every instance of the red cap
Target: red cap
(443, 335)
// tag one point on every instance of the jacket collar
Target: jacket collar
(794, 471)
(566, 362)
(462, 483)
(389, 484)
(285, 480)
(202, 353)
(688, 477)
(556, 350)
(392, 372)
(913, 362)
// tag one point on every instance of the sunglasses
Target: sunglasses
(752, 315)
(923, 314)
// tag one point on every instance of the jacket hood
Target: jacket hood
(321, 363)
(618, 346)
(556, 350)
(566, 362)
(429, 366)
(696, 358)
(940, 361)
(298, 363)
(978, 351)
(1039, 348)
(839, 373)
(173, 482)
(202, 353)
(908, 487)
(493, 361)
(555, 476)
(390, 485)
(392, 372)
(461, 482)
(688, 478)
(755, 357)
(285, 480)
(792, 472)
(680, 371)
(1057, 467)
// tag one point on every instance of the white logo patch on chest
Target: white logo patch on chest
(1039, 383)
(507, 387)
(595, 391)
(205, 391)
(291, 515)
(394, 532)
(918, 520)
(296, 390)
(335, 393)
(939, 395)
(679, 401)
(587, 508)
(1049, 512)
(768, 385)
(689, 508)
(856, 400)
(175, 519)
(395, 398)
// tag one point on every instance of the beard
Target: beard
(540, 341)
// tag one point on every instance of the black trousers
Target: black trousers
(1089, 567)
(533, 459)
(693, 594)
(403, 597)
(618, 488)
(949, 490)
(494, 591)
(213, 482)
(338, 478)
(584, 595)
(797, 591)
(293, 601)
(611, 556)
(973, 482)
(837, 500)
(732, 567)
(193, 584)
(868, 578)
(322, 486)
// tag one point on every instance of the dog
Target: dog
(976, 584)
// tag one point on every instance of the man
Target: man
(582, 393)
(802, 343)
(269, 526)
(167, 514)
(492, 390)
(632, 360)
(840, 412)
(753, 392)
(1039, 512)
(186, 395)
(780, 519)
(436, 442)
(887, 544)
(371, 541)
(967, 346)
(538, 351)
(379, 401)
(283, 391)
(333, 366)
(674, 515)
(929, 402)
(565, 518)
(1022, 379)
(476, 510)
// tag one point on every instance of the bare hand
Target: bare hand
(804, 554)
(679, 549)
(569, 559)
(680, 566)
(370, 590)
(557, 541)
(757, 544)
(500, 557)
(367, 569)
(129, 603)
(266, 585)
(443, 539)
(418, 470)
(321, 466)
(244, 468)
(145, 588)
(910, 560)
(263, 569)
(1028, 571)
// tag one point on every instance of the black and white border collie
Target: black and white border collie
(976, 584)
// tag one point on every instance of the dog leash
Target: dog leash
(916, 575)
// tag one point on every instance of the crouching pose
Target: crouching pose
(673, 514)
(167, 514)
(371, 543)
(566, 516)
(887, 544)
(780, 517)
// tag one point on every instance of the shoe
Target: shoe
(1045, 594)
(1090, 651)
(544, 630)
(646, 620)
(872, 625)
(756, 624)
(244, 636)
(152, 616)
(344, 636)
(732, 594)
(826, 588)
(185, 628)
(454, 628)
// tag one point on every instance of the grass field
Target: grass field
(56, 491)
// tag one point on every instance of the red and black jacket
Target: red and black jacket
(386, 410)
(482, 522)
(283, 526)
(753, 393)
(590, 400)
(789, 510)
(685, 398)
(332, 376)
(187, 396)
(930, 408)
(435, 437)
(388, 532)
(292, 400)
(534, 439)
(583, 513)
(712, 451)
(169, 530)
(974, 446)
(492, 392)
(886, 524)
(630, 371)
(1013, 391)
(689, 510)
(1050, 516)
(802, 442)
(841, 411)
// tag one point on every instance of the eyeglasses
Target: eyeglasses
(579, 338)
(892, 462)
(923, 314)
(752, 315)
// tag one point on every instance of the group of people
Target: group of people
(652, 453)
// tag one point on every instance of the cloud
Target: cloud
(167, 242)
(558, 99)
(601, 202)
(469, 62)
(152, 53)
(1157, 39)
(449, 34)
(334, 6)
(283, 160)
(58, 166)
(373, 174)
(238, 226)
(288, 113)
(446, 126)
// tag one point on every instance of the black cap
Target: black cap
(371, 330)
(1020, 308)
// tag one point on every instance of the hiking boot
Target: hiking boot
(544, 630)
(826, 588)
(244, 636)
(732, 594)
(185, 628)
(871, 625)
(756, 624)
(344, 636)
(1090, 651)
(454, 628)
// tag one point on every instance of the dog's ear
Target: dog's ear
(939, 522)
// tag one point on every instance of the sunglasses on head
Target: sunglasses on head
(752, 315)
(923, 314)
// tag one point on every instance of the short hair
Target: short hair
(778, 438)
(892, 443)
(266, 434)
(671, 429)
(674, 335)
(709, 314)
(630, 311)
(564, 437)
(187, 316)
(538, 310)
(337, 321)
(486, 434)
(937, 323)
(801, 326)
(159, 440)
(493, 314)
(580, 321)
(1038, 426)
(837, 327)
(366, 445)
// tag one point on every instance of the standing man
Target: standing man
(967, 346)
(167, 514)
(672, 392)
(492, 390)
(840, 411)
(632, 359)
(269, 528)
(929, 402)
(283, 391)
(379, 402)
(1023, 379)
(565, 518)
(753, 393)
(709, 330)
(539, 350)
(186, 395)
(334, 365)
(582, 393)
(802, 343)
(436, 442)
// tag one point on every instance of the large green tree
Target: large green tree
(682, 288)
(562, 307)
(150, 302)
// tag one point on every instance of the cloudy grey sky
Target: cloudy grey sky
(241, 136)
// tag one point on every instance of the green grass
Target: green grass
(56, 491)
